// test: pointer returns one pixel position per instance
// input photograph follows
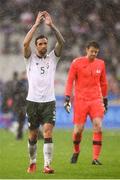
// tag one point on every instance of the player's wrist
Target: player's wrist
(105, 100)
(52, 26)
(67, 98)
(35, 26)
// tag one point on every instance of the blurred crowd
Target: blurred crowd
(79, 22)
(13, 102)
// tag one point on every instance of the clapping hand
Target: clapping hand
(40, 18)
(48, 19)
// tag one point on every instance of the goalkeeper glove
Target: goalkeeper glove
(67, 104)
(105, 101)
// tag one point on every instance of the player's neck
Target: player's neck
(40, 55)
(89, 59)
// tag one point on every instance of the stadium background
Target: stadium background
(81, 22)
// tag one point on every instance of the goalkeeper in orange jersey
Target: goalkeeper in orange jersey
(87, 75)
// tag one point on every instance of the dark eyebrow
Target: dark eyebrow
(42, 43)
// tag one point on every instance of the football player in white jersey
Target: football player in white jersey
(41, 108)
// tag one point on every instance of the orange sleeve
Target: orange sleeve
(70, 79)
(103, 82)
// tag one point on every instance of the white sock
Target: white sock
(48, 153)
(32, 152)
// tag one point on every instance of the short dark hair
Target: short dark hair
(93, 44)
(40, 37)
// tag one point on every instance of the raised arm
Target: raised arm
(29, 36)
(60, 39)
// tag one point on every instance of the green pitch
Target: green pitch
(14, 157)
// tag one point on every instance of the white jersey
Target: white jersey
(41, 75)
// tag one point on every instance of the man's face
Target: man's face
(92, 52)
(41, 46)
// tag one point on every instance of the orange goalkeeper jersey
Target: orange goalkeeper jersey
(88, 79)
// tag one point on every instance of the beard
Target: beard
(43, 51)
